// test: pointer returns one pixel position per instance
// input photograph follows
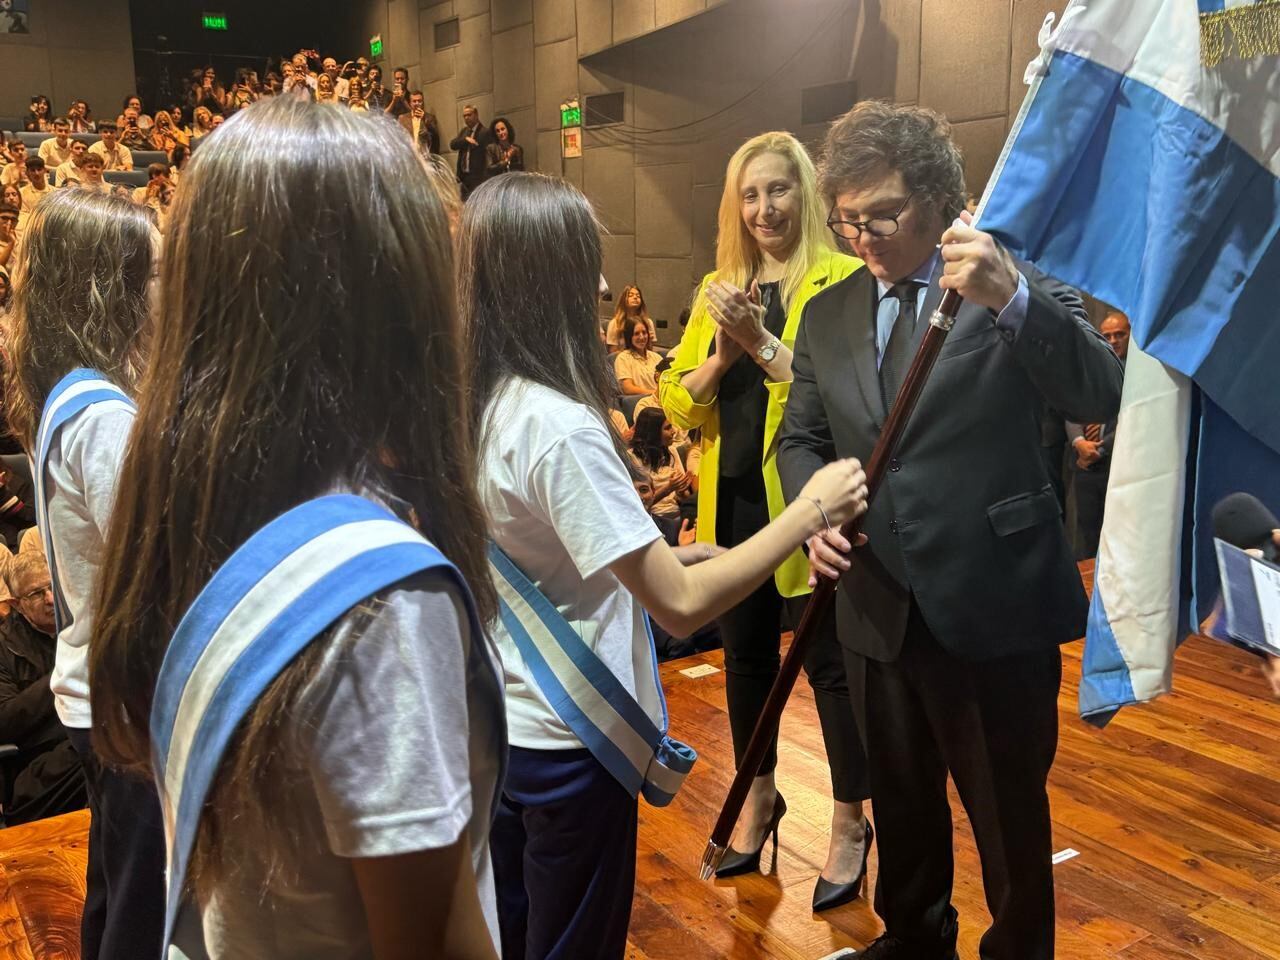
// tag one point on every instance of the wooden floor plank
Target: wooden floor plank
(1173, 807)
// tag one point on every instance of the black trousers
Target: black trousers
(564, 857)
(125, 890)
(993, 726)
(751, 633)
(1089, 497)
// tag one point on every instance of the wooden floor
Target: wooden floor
(1174, 809)
(42, 888)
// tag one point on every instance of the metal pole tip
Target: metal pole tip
(711, 858)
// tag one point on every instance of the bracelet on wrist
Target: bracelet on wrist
(818, 503)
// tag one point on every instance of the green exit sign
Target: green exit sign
(570, 116)
(214, 21)
(375, 46)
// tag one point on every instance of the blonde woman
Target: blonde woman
(165, 135)
(202, 124)
(729, 377)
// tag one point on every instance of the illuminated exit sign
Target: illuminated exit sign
(214, 21)
(570, 114)
(375, 46)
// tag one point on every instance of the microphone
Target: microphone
(1241, 520)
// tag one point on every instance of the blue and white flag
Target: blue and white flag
(1144, 167)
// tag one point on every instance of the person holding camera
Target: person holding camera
(398, 105)
(421, 125)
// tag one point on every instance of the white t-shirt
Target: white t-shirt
(80, 487)
(399, 740)
(562, 506)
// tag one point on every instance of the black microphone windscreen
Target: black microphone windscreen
(1242, 520)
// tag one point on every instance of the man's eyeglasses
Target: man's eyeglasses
(36, 594)
(876, 226)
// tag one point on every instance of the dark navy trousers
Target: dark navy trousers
(564, 858)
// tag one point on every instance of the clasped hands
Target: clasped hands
(739, 318)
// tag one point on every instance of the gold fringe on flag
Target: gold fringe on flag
(1254, 28)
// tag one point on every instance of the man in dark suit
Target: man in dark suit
(469, 144)
(420, 125)
(951, 615)
(1091, 446)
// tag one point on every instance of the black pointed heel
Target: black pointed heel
(736, 863)
(828, 895)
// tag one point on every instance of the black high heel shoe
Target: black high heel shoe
(735, 863)
(827, 895)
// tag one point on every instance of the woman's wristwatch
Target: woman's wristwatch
(770, 350)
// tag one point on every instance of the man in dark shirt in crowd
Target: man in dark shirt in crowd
(45, 778)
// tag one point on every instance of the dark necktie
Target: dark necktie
(897, 352)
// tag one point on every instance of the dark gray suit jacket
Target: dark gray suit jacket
(966, 520)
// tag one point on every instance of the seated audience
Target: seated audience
(91, 174)
(69, 173)
(178, 158)
(15, 170)
(205, 91)
(17, 504)
(79, 117)
(630, 304)
(503, 154)
(38, 186)
(115, 156)
(653, 450)
(132, 135)
(157, 175)
(57, 149)
(202, 125)
(636, 366)
(165, 135)
(644, 403)
(133, 103)
(244, 91)
(47, 778)
(9, 216)
(37, 119)
(11, 195)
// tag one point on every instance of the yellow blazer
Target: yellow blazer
(695, 346)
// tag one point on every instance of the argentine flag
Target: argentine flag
(1144, 167)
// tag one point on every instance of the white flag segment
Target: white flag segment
(1135, 611)
(1152, 181)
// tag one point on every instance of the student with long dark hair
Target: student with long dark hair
(301, 468)
(577, 562)
(79, 330)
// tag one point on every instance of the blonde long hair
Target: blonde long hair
(737, 257)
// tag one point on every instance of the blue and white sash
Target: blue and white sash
(586, 695)
(74, 393)
(283, 587)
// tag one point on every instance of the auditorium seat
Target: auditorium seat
(628, 405)
(9, 124)
(132, 178)
(32, 140)
(89, 138)
(144, 158)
